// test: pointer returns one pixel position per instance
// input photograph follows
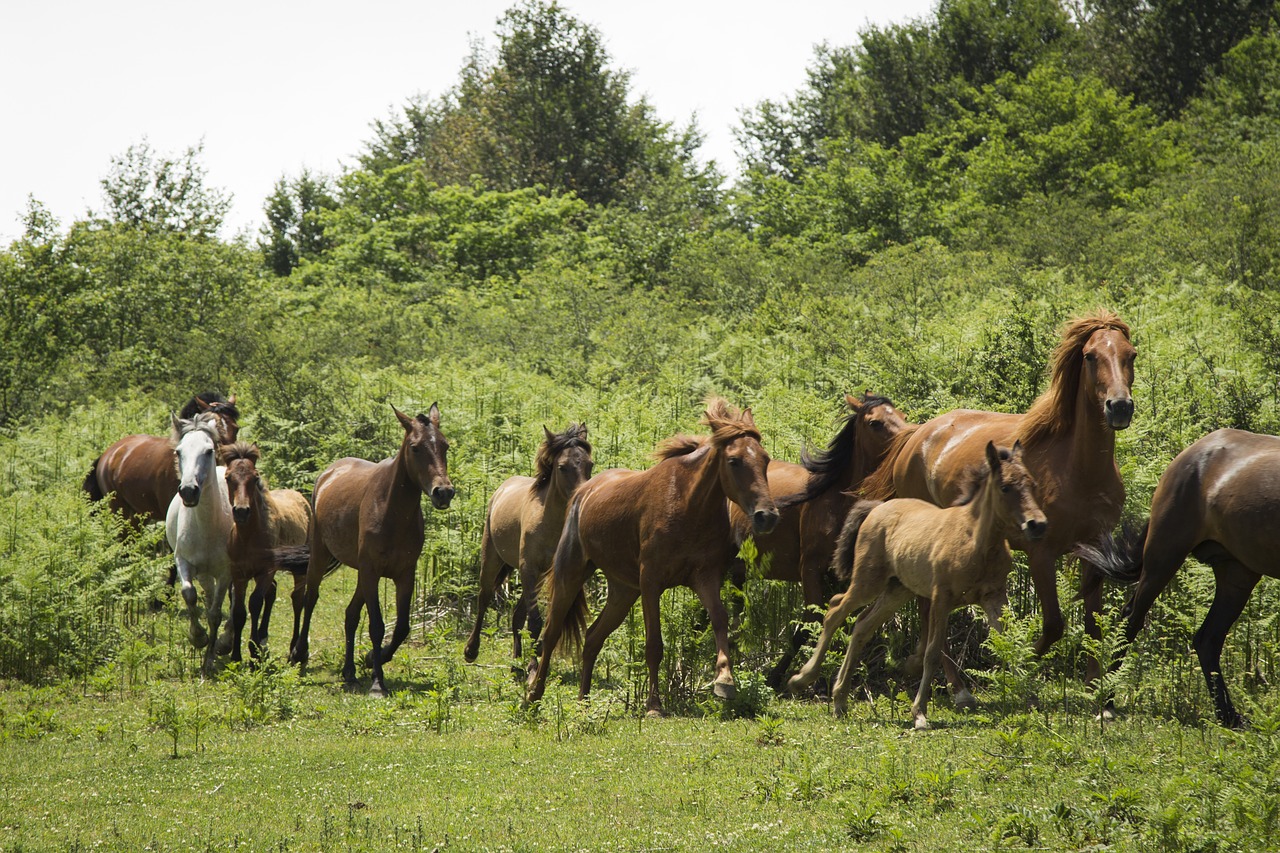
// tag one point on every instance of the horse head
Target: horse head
(744, 464)
(564, 460)
(1108, 370)
(1013, 491)
(194, 453)
(425, 454)
(244, 484)
(878, 421)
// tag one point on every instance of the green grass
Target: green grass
(271, 761)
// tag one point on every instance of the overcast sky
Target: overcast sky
(273, 87)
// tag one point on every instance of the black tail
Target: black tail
(842, 562)
(91, 484)
(1118, 558)
(292, 559)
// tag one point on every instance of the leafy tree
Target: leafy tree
(545, 109)
(158, 192)
(294, 228)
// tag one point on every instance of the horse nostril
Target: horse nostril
(764, 520)
(442, 496)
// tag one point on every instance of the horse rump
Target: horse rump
(842, 562)
(91, 484)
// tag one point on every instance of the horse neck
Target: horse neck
(400, 484)
(1092, 441)
(554, 497)
(704, 491)
(985, 518)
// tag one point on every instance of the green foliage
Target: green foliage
(294, 230)
(164, 193)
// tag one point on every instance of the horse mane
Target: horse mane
(679, 445)
(826, 466)
(241, 450)
(206, 422)
(552, 446)
(726, 422)
(879, 484)
(226, 407)
(1054, 410)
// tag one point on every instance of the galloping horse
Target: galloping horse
(263, 520)
(1068, 439)
(953, 556)
(368, 515)
(653, 530)
(198, 527)
(1218, 500)
(137, 471)
(813, 499)
(522, 527)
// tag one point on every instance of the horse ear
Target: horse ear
(433, 414)
(1016, 452)
(993, 457)
(852, 402)
(548, 433)
(174, 423)
(203, 405)
(405, 420)
(231, 401)
(748, 417)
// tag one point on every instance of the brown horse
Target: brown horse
(954, 557)
(1219, 501)
(137, 471)
(1068, 439)
(652, 530)
(813, 499)
(368, 515)
(262, 520)
(522, 527)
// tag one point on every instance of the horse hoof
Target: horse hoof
(377, 691)
(922, 724)
(469, 654)
(839, 708)
(1106, 716)
(655, 713)
(725, 690)
(199, 639)
(964, 701)
(795, 684)
(223, 646)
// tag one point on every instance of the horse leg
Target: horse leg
(350, 623)
(914, 663)
(1234, 585)
(527, 607)
(318, 561)
(940, 609)
(1043, 576)
(492, 570)
(377, 630)
(707, 586)
(1091, 593)
(213, 612)
(567, 579)
(615, 610)
(299, 600)
(811, 583)
(650, 596)
(191, 598)
(238, 616)
(261, 603)
(404, 602)
(885, 605)
(837, 613)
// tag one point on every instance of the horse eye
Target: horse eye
(733, 460)
(1004, 488)
(877, 425)
(1090, 357)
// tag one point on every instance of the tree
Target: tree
(157, 192)
(294, 228)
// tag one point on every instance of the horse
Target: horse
(137, 471)
(368, 515)
(652, 530)
(813, 499)
(198, 528)
(1218, 500)
(1068, 438)
(522, 527)
(263, 520)
(954, 557)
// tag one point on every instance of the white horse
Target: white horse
(198, 527)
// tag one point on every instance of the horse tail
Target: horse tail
(879, 485)
(842, 562)
(1117, 558)
(568, 552)
(292, 559)
(91, 484)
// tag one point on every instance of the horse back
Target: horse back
(937, 458)
(361, 521)
(138, 470)
(288, 517)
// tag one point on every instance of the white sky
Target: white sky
(272, 86)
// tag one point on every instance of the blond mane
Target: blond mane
(1054, 410)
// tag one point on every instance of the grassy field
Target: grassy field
(144, 757)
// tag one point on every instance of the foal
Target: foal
(263, 519)
(955, 556)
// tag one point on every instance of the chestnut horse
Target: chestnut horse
(137, 471)
(522, 527)
(262, 520)
(652, 530)
(198, 527)
(954, 557)
(368, 515)
(813, 499)
(1068, 438)
(1219, 501)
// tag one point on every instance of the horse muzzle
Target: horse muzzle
(1119, 413)
(1034, 528)
(190, 495)
(240, 514)
(763, 521)
(441, 496)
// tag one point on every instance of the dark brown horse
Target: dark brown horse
(262, 520)
(368, 515)
(1219, 500)
(137, 471)
(813, 499)
(522, 528)
(1068, 439)
(652, 530)
(954, 556)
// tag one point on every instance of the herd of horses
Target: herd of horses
(898, 510)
